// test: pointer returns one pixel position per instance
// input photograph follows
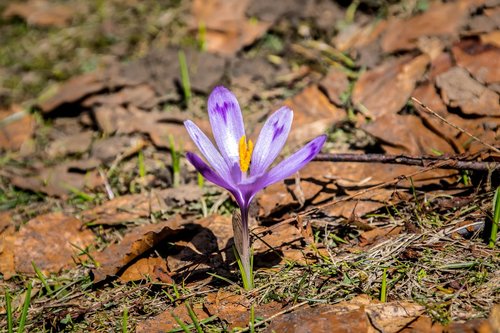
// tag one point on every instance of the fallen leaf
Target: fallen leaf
(51, 241)
(165, 321)
(357, 35)
(255, 70)
(201, 250)
(351, 177)
(387, 88)
(154, 269)
(78, 143)
(458, 89)
(358, 315)
(227, 28)
(117, 256)
(159, 70)
(75, 89)
(141, 96)
(41, 13)
(336, 85)
(476, 59)
(130, 207)
(271, 11)
(313, 115)
(16, 127)
(371, 236)
(110, 148)
(60, 180)
(408, 135)
(235, 308)
(125, 208)
(443, 20)
(492, 38)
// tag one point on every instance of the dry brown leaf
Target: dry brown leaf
(165, 321)
(108, 149)
(352, 177)
(356, 36)
(227, 28)
(75, 89)
(123, 209)
(128, 208)
(158, 70)
(477, 59)
(202, 249)
(16, 127)
(235, 308)
(492, 38)
(443, 20)
(140, 239)
(51, 241)
(483, 127)
(141, 96)
(41, 13)
(407, 135)
(458, 89)
(6, 223)
(313, 187)
(376, 235)
(386, 88)
(284, 239)
(62, 179)
(361, 314)
(154, 269)
(77, 143)
(313, 115)
(358, 207)
(336, 85)
(425, 324)
(7, 230)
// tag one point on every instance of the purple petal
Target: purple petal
(208, 150)
(271, 140)
(226, 121)
(294, 163)
(207, 172)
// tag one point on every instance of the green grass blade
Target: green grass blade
(222, 278)
(252, 319)
(496, 218)
(142, 166)
(202, 36)
(8, 307)
(183, 326)
(176, 162)
(26, 305)
(201, 180)
(383, 288)
(125, 320)
(42, 278)
(186, 84)
(189, 327)
(246, 283)
(194, 318)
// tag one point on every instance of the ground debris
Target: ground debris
(52, 242)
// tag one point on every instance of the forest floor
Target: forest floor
(105, 226)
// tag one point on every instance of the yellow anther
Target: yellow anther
(246, 150)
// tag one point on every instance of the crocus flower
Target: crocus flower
(236, 164)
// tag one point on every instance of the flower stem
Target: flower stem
(243, 250)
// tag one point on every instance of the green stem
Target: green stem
(242, 246)
(245, 255)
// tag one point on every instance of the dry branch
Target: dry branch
(450, 162)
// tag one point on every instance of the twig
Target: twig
(429, 110)
(450, 162)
